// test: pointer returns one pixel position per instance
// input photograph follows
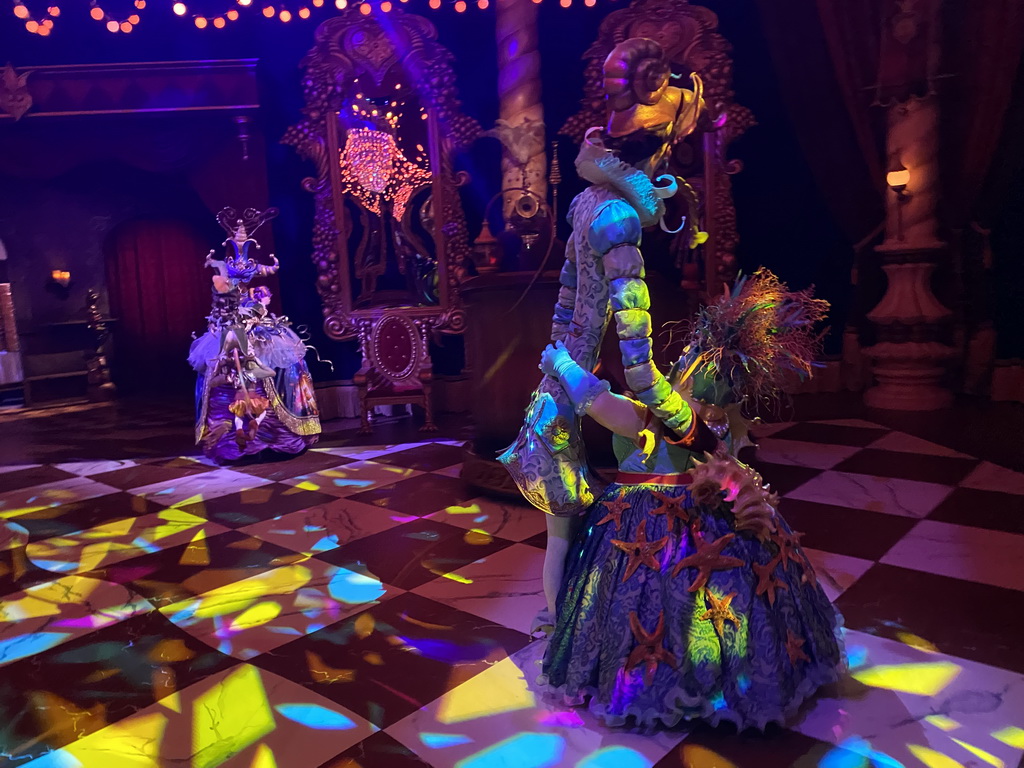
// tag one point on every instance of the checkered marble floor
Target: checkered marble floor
(360, 607)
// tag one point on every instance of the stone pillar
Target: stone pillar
(911, 355)
(521, 125)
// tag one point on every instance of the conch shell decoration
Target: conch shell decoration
(721, 478)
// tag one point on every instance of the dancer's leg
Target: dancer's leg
(561, 532)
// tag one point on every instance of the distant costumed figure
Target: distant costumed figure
(254, 391)
(686, 595)
(602, 278)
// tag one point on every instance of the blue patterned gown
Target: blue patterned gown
(667, 614)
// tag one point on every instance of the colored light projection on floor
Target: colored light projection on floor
(117, 541)
(239, 713)
(943, 748)
(255, 615)
(355, 477)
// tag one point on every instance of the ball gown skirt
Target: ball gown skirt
(667, 614)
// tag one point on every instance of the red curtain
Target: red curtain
(160, 295)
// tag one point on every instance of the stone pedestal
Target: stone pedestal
(910, 357)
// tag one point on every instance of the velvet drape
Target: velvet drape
(160, 295)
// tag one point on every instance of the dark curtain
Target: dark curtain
(159, 295)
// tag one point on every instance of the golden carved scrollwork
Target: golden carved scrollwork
(346, 48)
(688, 34)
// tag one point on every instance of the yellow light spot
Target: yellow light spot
(942, 722)
(1012, 736)
(229, 717)
(172, 702)
(471, 509)
(977, 752)
(93, 555)
(373, 658)
(264, 758)
(501, 689)
(925, 679)
(365, 624)
(456, 577)
(306, 485)
(696, 756)
(140, 737)
(916, 642)
(477, 537)
(933, 758)
(171, 650)
(321, 672)
(196, 553)
(257, 615)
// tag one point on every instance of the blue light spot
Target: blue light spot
(309, 528)
(316, 717)
(314, 628)
(524, 750)
(481, 519)
(146, 546)
(354, 588)
(326, 543)
(22, 646)
(857, 655)
(743, 683)
(58, 758)
(442, 740)
(615, 757)
(58, 566)
(718, 700)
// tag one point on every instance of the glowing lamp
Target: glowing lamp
(341, 5)
(201, 22)
(304, 13)
(134, 19)
(61, 277)
(460, 6)
(54, 11)
(32, 26)
(285, 15)
(245, 3)
(140, 4)
(219, 23)
(97, 13)
(232, 15)
(21, 11)
(269, 11)
(44, 30)
(898, 177)
(126, 26)
(113, 26)
(179, 9)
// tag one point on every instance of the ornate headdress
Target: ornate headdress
(241, 268)
(636, 84)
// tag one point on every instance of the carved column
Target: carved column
(521, 126)
(911, 355)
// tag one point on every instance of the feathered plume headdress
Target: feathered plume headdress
(756, 336)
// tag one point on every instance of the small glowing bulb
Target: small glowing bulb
(32, 26)
(285, 15)
(435, 4)
(113, 26)
(365, 9)
(46, 24)
(460, 6)
(179, 9)
(140, 4)
(21, 11)
(126, 26)
(303, 13)
(245, 3)
(590, 3)
(386, 6)
(482, 4)
(232, 15)
(219, 23)
(97, 13)
(54, 10)
(44, 30)
(201, 22)
(565, 3)
(318, 3)
(269, 11)
(134, 19)
(341, 5)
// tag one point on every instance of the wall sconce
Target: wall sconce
(61, 277)
(898, 178)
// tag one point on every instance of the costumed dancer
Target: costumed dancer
(253, 391)
(687, 596)
(603, 275)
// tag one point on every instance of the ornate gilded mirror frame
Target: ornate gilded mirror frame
(688, 34)
(348, 47)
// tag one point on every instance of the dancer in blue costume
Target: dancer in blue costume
(686, 595)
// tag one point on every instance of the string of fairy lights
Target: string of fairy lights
(122, 16)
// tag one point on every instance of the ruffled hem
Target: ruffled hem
(691, 707)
